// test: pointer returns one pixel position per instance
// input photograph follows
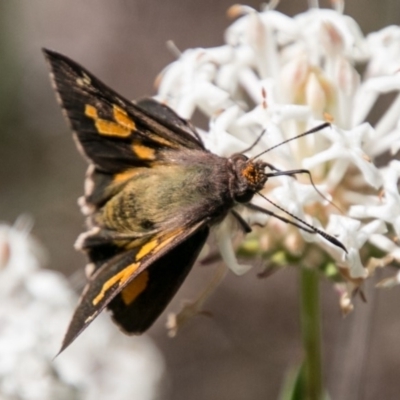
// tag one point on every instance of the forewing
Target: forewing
(112, 132)
(115, 135)
(167, 116)
(130, 277)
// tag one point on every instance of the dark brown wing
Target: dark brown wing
(114, 133)
(138, 284)
(167, 116)
(137, 306)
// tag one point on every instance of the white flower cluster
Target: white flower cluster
(286, 75)
(35, 307)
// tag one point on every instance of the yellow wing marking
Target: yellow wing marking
(119, 278)
(125, 175)
(144, 152)
(137, 286)
(111, 128)
(122, 118)
(147, 248)
(90, 111)
(156, 244)
(161, 141)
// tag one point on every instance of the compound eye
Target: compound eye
(245, 197)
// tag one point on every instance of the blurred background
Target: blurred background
(246, 349)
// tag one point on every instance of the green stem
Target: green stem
(311, 333)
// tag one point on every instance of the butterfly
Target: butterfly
(152, 193)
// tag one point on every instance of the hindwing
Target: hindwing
(138, 284)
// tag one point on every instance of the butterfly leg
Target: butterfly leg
(243, 224)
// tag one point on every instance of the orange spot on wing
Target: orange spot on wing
(144, 152)
(147, 248)
(119, 278)
(133, 289)
(90, 111)
(155, 245)
(123, 176)
(139, 284)
(162, 141)
(122, 118)
(111, 128)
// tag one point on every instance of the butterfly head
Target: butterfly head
(250, 177)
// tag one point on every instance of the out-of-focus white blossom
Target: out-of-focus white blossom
(35, 308)
(286, 75)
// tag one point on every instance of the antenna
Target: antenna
(313, 130)
(254, 143)
(307, 228)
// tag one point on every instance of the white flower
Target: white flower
(36, 305)
(353, 235)
(387, 208)
(384, 47)
(346, 149)
(286, 75)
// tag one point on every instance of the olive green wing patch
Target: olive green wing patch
(101, 186)
(112, 132)
(174, 252)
